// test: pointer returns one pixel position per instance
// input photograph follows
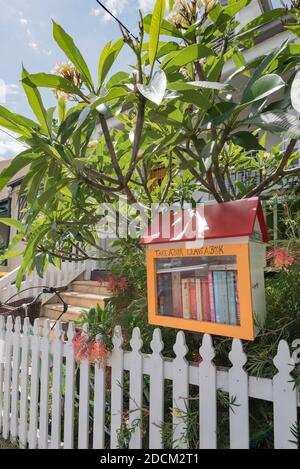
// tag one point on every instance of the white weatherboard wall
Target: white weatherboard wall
(40, 412)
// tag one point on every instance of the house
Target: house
(10, 207)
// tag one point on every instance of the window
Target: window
(22, 205)
(199, 288)
(4, 230)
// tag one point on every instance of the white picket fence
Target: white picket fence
(71, 407)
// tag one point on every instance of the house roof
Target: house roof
(227, 220)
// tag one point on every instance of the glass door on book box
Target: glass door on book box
(199, 288)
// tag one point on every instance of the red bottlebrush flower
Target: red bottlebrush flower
(281, 257)
(117, 284)
(88, 349)
(80, 347)
(199, 359)
(98, 354)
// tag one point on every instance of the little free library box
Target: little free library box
(205, 268)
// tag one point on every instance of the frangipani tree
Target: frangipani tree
(177, 110)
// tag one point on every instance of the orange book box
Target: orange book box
(205, 269)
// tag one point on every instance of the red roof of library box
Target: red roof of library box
(212, 221)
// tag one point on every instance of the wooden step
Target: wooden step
(53, 311)
(84, 300)
(52, 325)
(90, 286)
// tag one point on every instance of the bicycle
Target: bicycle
(32, 307)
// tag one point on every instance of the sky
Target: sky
(26, 37)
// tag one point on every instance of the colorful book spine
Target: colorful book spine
(177, 295)
(160, 296)
(185, 284)
(193, 298)
(237, 299)
(199, 299)
(221, 297)
(205, 300)
(167, 294)
(211, 297)
(231, 293)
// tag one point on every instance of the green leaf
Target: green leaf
(196, 98)
(20, 161)
(36, 103)
(222, 16)
(117, 79)
(157, 17)
(167, 28)
(246, 140)
(278, 123)
(12, 223)
(10, 255)
(266, 63)
(13, 121)
(187, 55)
(114, 93)
(164, 48)
(67, 44)
(61, 109)
(107, 59)
(261, 20)
(193, 85)
(262, 88)
(67, 127)
(234, 7)
(47, 80)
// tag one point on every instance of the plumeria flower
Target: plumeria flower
(208, 4)
(69, 72)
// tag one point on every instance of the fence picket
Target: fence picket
(180, 392)
(285, 399)
(239, 398)
(2, 360)
(69, 390)
(34, 387)
(25, 344)
(84, 402)
(136, 390)
(207, 395)
(15, 380)
(156, 412)
(117, 367)
(7, 378)
(44, 399)
(57, 352)
(99, 406)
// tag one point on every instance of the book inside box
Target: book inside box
(199, 288)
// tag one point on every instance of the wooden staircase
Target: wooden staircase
(81, 295)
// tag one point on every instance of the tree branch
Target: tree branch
(137, 140)
(280, 172)
(110, 147)
(197, 176)
(168, 185)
